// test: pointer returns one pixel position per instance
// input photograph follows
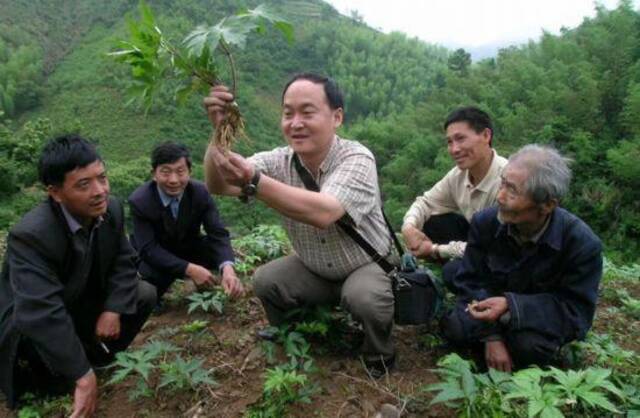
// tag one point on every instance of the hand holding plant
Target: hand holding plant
(195, 61)
(490, 309)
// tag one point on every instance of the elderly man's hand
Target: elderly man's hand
(85, 396)
(108, 326)
(216, 102)
(497, 356)
(234, 169)
(490, 309)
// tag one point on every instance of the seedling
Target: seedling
(529, 392)
(181, 374)
(195, 326)
(195, 61)
(207, 301)
(140, 361)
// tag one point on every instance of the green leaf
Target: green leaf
(598, 399)
(200, 37)
(265, 13)
(535, 406)
(450, 393)
(551, 412)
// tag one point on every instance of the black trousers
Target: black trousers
(33, 375)
(201, 252)
(442, 229)
(526, 347)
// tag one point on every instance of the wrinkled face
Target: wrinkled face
(172, 177)
(466, 146)
(308, 123)
(515, 205)
(84, 192)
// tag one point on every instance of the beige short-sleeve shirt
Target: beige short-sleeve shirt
(456, 193)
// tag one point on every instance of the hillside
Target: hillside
(579, 91)
(574, 91)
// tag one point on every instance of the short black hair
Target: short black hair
(64, 154)
(169, 152)
(478, 119)
(331, 88)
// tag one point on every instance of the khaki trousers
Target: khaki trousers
(286, 284)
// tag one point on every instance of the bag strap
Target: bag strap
(311, 184)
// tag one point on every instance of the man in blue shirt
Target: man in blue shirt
(168, 213)
(528, 282)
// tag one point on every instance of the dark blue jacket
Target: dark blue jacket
(164, 243)
(551, 287)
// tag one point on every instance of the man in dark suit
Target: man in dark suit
(69, 296)
(168, 213)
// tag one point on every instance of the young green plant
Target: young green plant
(196, 61)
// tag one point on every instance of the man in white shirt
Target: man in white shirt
(437, 223)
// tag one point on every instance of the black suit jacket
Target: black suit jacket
(41, 280)
(164, 243)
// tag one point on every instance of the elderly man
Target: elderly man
(328, 267)
(528, 282)
(69, 295)
(437, 223)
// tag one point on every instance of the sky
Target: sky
(479, 26)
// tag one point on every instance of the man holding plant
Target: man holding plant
(328, 267)
(528, 282)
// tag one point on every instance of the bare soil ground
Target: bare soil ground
(230, 347)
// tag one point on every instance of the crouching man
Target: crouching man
(328, 267)
(69, 296)
(529, 278)
(168, 214)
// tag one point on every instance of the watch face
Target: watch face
(249, 189)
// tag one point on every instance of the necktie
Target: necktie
(174, 205)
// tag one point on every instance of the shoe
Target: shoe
(160, 308)
(268, 333)
(378, 368)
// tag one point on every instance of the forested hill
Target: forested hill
(579, 91)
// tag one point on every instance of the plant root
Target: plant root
(230, 129)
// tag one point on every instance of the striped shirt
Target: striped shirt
(348, 173)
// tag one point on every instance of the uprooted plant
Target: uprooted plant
(195, 61)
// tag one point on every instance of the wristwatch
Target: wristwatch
(250, 189)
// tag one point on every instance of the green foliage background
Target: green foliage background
(579, 91)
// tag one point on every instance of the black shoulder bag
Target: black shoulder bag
(417, 293)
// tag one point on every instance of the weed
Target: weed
(529, 392)
(45, 407)
(630, 305)
(613, 272)
(282, 387)
(604, 351)
(262, 244)
(195, 326)
(181, 374)
(207, 301)
(471, 394)
(140, 362)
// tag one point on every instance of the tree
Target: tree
(459, 61)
